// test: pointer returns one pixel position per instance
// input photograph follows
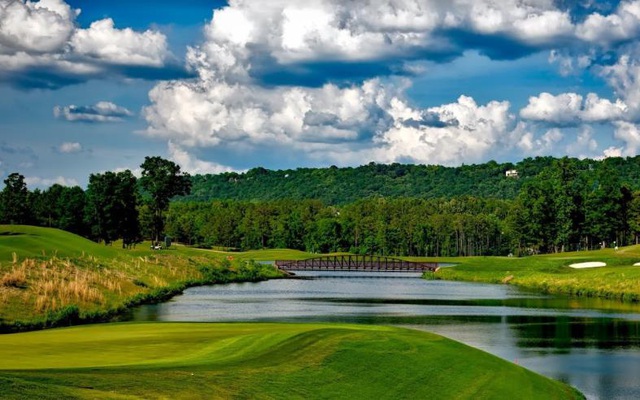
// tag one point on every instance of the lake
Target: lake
(592, 344)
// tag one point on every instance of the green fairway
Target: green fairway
(268, 361)
(30, 241)
(551, 273)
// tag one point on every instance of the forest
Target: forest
(553, 205)
(337, 186)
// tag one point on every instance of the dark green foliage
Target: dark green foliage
(412, 227)
(14, 207)
(162, 180)
(111, 207)
(337, 186)
(415, 210)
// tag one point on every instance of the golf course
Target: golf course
(262, 361)
(50, 278)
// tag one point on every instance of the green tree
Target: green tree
(14, 202)
(162, 180)
(111, 207)
(126, 192)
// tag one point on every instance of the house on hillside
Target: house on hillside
(511, 173)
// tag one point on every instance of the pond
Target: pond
(591, 344)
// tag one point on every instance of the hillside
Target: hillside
(336, 186)
(49, 277)
(30, 241)
(257, 361)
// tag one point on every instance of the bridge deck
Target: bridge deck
(355, 263)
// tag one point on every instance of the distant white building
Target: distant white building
(512, 173)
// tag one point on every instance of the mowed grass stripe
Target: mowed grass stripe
(263, 361)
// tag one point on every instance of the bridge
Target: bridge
(355, 263)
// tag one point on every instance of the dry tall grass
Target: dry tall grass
(31, 287)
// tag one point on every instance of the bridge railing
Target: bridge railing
(355, 263)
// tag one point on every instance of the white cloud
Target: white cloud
(624, 78)
(370, 121)
(570, 109)
(542, 145)
(621, 25)
(104, 42)
(208, 113)
(468, 133)
(612, 152)
(629, 134)
(229, 106)
(34, 181)
(102, 111)
(41, 45)
(585, 145)
(192, 165)
(70, 147)
(39, 27)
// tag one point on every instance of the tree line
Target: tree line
(115, 205)
(340, 186)
(569, 204)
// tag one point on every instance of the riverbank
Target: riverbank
(52, 278)
(204, 360)
(552, 273)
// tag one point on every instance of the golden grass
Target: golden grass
(16, 278)
(31, 287)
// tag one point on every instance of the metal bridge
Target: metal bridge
(355, 263)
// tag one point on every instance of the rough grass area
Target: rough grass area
(50, 277)
(257, 361)
(619, 280)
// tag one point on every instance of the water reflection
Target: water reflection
(591, 344)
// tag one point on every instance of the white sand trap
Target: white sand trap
(636, 265)
(590, 264)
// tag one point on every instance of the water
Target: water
(591, 344)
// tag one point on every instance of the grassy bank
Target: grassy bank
(262, 361)
(619, 280)
(51, 278)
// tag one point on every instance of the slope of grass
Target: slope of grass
(262, 361)
(551, 273)
(30, 241)
(50, 277)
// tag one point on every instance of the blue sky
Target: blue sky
(91, 86)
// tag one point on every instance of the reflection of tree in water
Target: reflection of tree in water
(563, 333)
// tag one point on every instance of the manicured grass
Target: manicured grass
(552, 274)
(30, 241)
(49, 277)
(262, 361)
(273, 254)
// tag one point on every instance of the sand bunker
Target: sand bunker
(590, 264)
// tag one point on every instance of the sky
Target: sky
(94, 86)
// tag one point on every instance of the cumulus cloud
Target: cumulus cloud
(207, 113)
(102, 41)
(250, 49)
(70, 147)
(569, 109)
(193, 165)
(36, 181)
(629, 134)
(371, 120)
(102, 111)
(35, 27)
(545, 144)
(623, 24)
(256, 39)
(469, 132)
(585, 144)
(624, 78)
(42, 46)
